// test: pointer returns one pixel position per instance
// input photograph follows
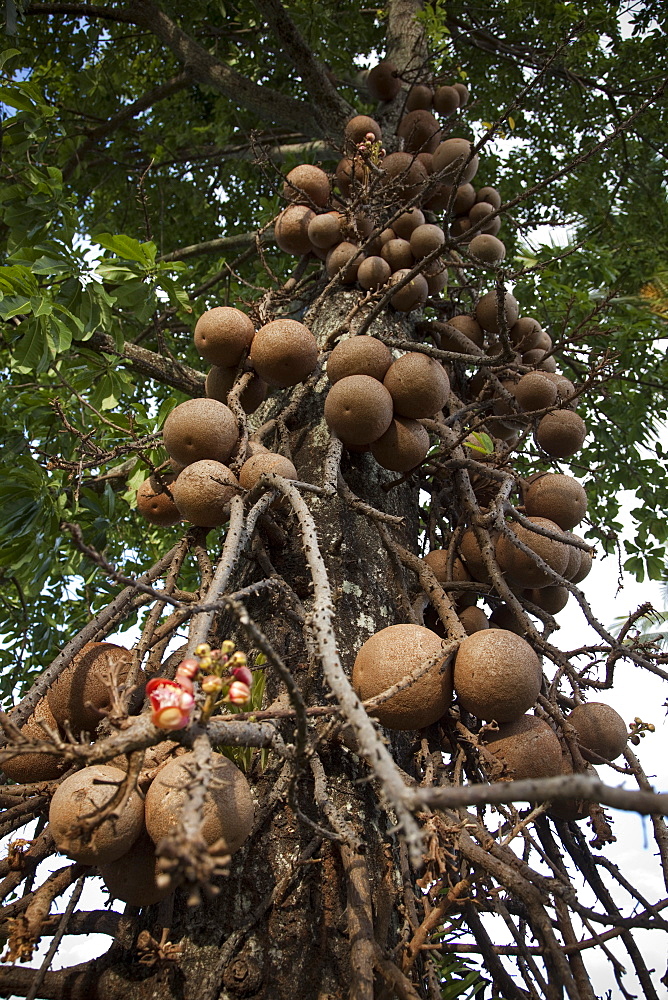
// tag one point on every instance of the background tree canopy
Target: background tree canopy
(144, 151)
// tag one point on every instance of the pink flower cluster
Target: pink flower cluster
(173, 702)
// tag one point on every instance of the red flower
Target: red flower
(172, 704)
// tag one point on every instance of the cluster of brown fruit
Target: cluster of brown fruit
(359, 233)
(201, 435)
(76, 702)
(497, 678)
(376, 402)
(518, 397)
(122, 845)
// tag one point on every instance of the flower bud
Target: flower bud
(227, 647)
(203, 649)
(244, 675)
(188, 667)
(211, 684)
(239, 693)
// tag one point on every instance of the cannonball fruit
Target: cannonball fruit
(260, 465)
(560, 498)
(359, 356)
(419, 385)
(27, 767)
(202, 493)
(382, 81)
(78, 798)
(521, 568)
(291, 229)
(132, 877)
(284, 352)
(358, 409)
(82, 692)
(411, 295)
(227, 813)
(497, 675)
(403, 445)
(200, 429)
(307, 184)
(219, 382)
(222, 335)
(561, 433)
(390, 655)
(154, 502)
(526, 748)
(601, 730)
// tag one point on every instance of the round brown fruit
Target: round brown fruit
(291, 229)
(535, 392)
(407, 222)
(382, 81)
(403, 445)
(445, 101)
(398, 254)
(27, 767)
(425, 239)
(551, 599)
(473, 619)
(84, 794)
(132, 877)
(560, 498)
(418, 384)
(505, 617)
(350, 174)
(420, 132)
(487, 248)
(154, 502)
(419, 96)
(359, 356)
(357, 130)
(83, 691)
(390, 655)
(561, 433)
(487, 311)
(404, 173)
(260, 465)
(521, 568)
(525, 333)
(436, 274)
(203, 491)
(412, 295)
(324, 231)
(469, 327)
(601, 730)
(219, 381)
(580, 566)
(199, 429)
(473, 558)
(305, 184)
(222, 335)
(455, 158)
(373, 273)
(344, 260)
(284, 352)
(565, 388)
(227, 812)
(497, 675)
(463, 92)
(527, 748)
(358, 409)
